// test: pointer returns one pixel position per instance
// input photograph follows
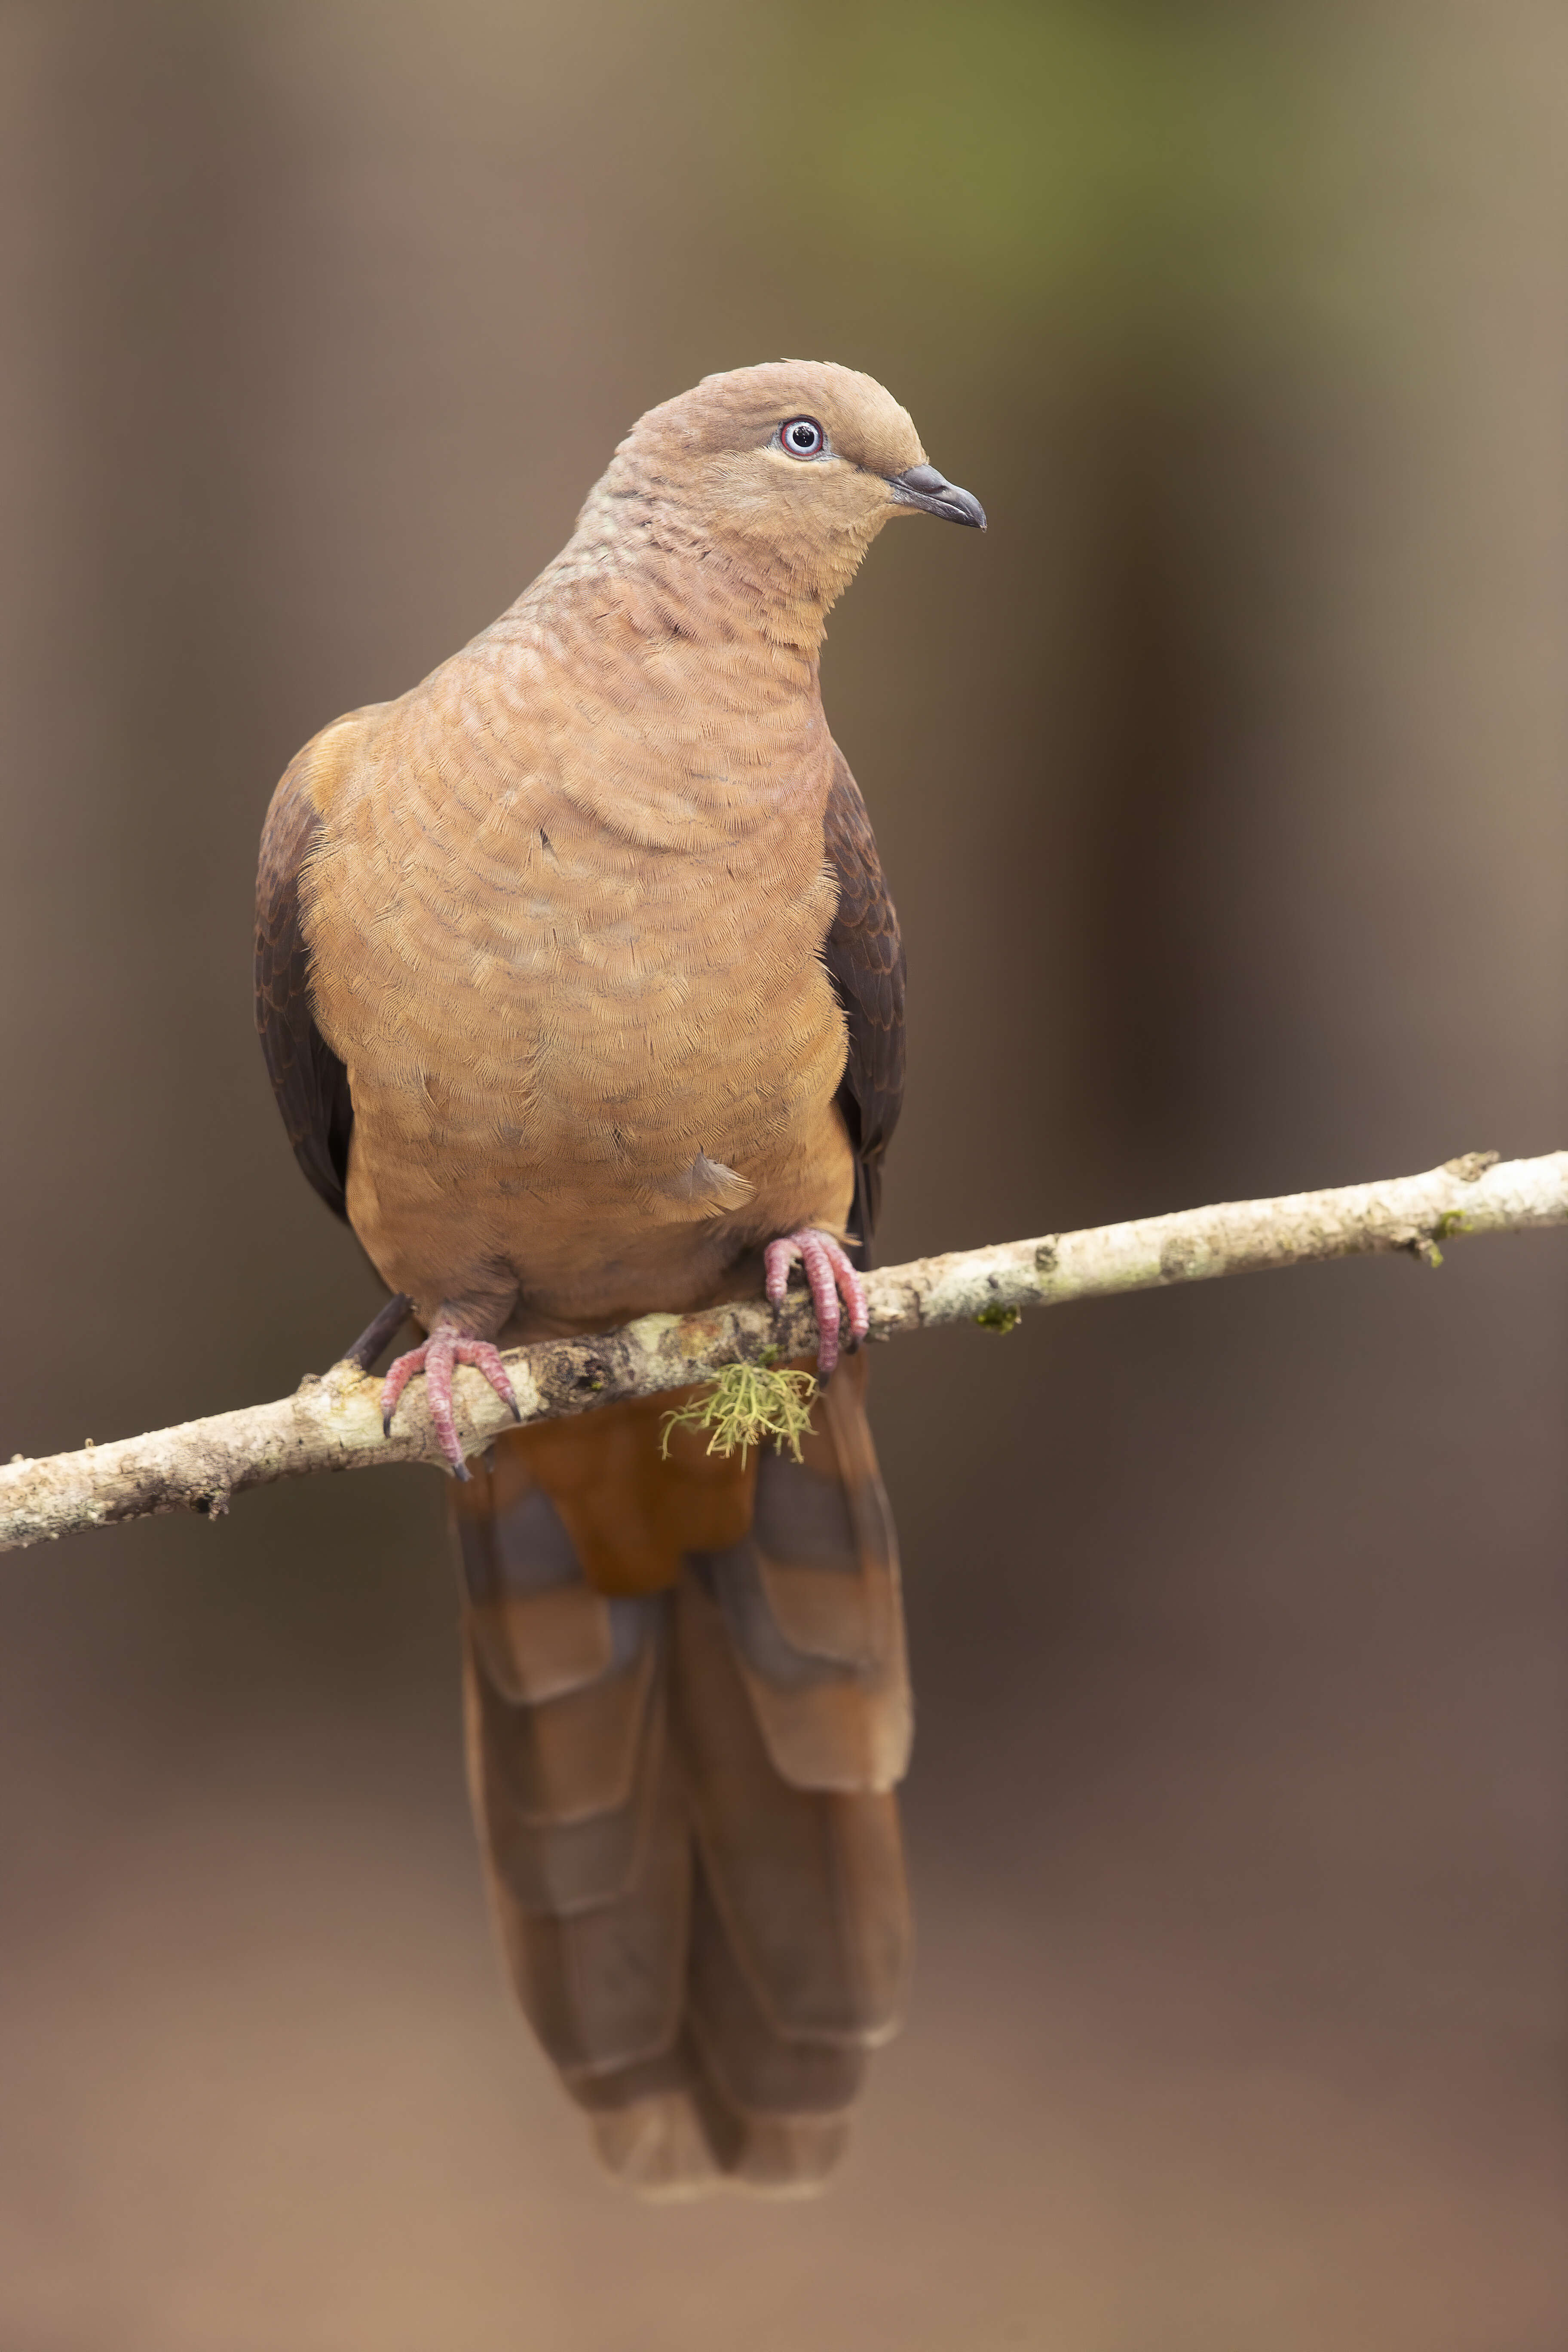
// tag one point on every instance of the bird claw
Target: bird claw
(437, 1358)
(828, 1273)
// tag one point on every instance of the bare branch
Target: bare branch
(333, 1423)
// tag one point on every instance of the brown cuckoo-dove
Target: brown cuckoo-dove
(582, 996)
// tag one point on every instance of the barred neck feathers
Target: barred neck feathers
(671, 650)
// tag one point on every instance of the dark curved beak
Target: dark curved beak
(924, 486)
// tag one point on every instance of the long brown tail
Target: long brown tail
(687, 1709)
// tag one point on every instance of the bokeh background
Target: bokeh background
(1222, 788)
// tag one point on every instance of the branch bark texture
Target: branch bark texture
(333, 1423)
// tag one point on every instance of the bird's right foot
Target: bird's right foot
(437, 1357)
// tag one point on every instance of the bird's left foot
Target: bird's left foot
(830, 1276)
(437, 1357)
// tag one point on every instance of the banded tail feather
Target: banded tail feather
(682, 1775)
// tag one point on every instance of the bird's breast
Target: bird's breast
(530, 995)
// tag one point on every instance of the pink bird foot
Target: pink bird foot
(827, 1273)
(437, 1359)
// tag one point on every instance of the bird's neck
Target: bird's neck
(697, 719)
(713, 583)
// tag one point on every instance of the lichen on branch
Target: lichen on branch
(749, 1404)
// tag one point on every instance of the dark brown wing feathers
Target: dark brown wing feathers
(865, 958)
(310, 1082)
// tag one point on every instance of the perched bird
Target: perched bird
(582, 995)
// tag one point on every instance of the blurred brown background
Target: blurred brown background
(1222, 789)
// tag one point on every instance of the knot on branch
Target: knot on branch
(1182, 1257)
(1471, 1166)
(573, 1378)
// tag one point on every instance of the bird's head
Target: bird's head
(789, 469)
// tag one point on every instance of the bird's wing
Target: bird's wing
(865, 958)
(310, 1082)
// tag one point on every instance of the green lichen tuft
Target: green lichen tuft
(1000, 1318)
(746, 1404)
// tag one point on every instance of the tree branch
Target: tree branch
(333, 1423)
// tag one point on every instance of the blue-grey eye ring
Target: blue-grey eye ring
(802, 436)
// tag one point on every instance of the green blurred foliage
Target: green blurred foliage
(1134, 170)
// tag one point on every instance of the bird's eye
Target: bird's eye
(802, 436)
